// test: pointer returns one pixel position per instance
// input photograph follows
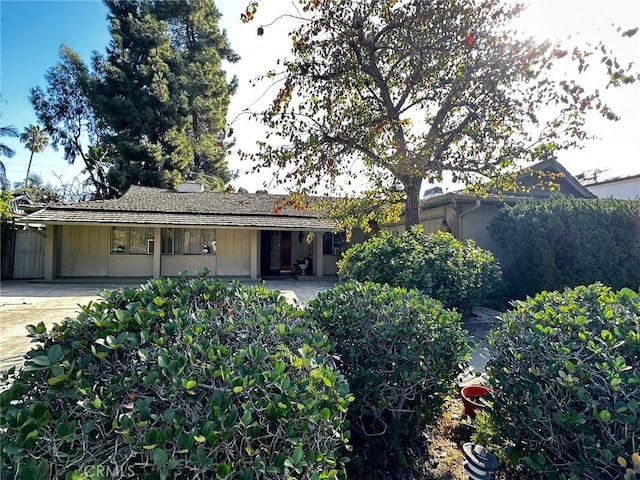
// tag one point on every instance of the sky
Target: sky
(32, 31)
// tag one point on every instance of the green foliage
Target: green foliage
(38, 191)
(35, 140)
(400, 351)
(565, 375)
(184, 379)
(6, 151)
(564, 242)
(5, 206)
(162, 94)
(414, 89)
(458, 274)
(65, 111)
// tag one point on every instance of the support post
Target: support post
(157, 252)
(319, 256)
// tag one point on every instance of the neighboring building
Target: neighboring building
(467, 216)
(152, 232)
(623, 188)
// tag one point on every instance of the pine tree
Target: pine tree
(160, 95)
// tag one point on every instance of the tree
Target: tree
(6, 151)
(38, 191)
(66, 113)
(35, 140)
(411, 89)
(160, 94)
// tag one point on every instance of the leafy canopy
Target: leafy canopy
(397, 91)
(35, 140)
(65, 111)
(160, 93)
(152, 110)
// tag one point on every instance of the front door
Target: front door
(275, 253)
(285, 252)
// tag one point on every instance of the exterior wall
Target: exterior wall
(173, 265)
(329, 264)
(300, 249)
(130, 265)
(474, 226)
(29, 254)
(624, 189)
(466, 222)
(431, 219)
(234, 252)
(84, 251)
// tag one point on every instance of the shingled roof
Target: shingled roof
(162, 207)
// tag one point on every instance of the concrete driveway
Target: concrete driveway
(23, 303)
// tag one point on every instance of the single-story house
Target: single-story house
(467, 216)
(153, 232)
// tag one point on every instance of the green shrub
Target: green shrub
(400, 351)
(458, 274)
(565, 373)
(563, 242)
(182, 379)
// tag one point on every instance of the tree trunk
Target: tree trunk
(26, 177)
(412, 204)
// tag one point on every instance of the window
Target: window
(188, 241)
(334, 243)
(130, 240)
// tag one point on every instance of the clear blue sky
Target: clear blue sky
(33, 30)
(31, 35)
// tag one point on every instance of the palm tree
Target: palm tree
(35, 140)
(5, 151)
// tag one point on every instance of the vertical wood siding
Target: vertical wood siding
(234, 252)
(29, 254)
(84, 251)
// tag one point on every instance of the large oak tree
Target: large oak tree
(412, 89)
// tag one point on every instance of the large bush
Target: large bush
(182, 379)
(564, 242)
(565, 372)
(400, 351)
(458, 274)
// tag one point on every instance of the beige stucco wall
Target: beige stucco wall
(234, 252)
(84, 251)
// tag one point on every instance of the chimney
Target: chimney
(190, 187)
